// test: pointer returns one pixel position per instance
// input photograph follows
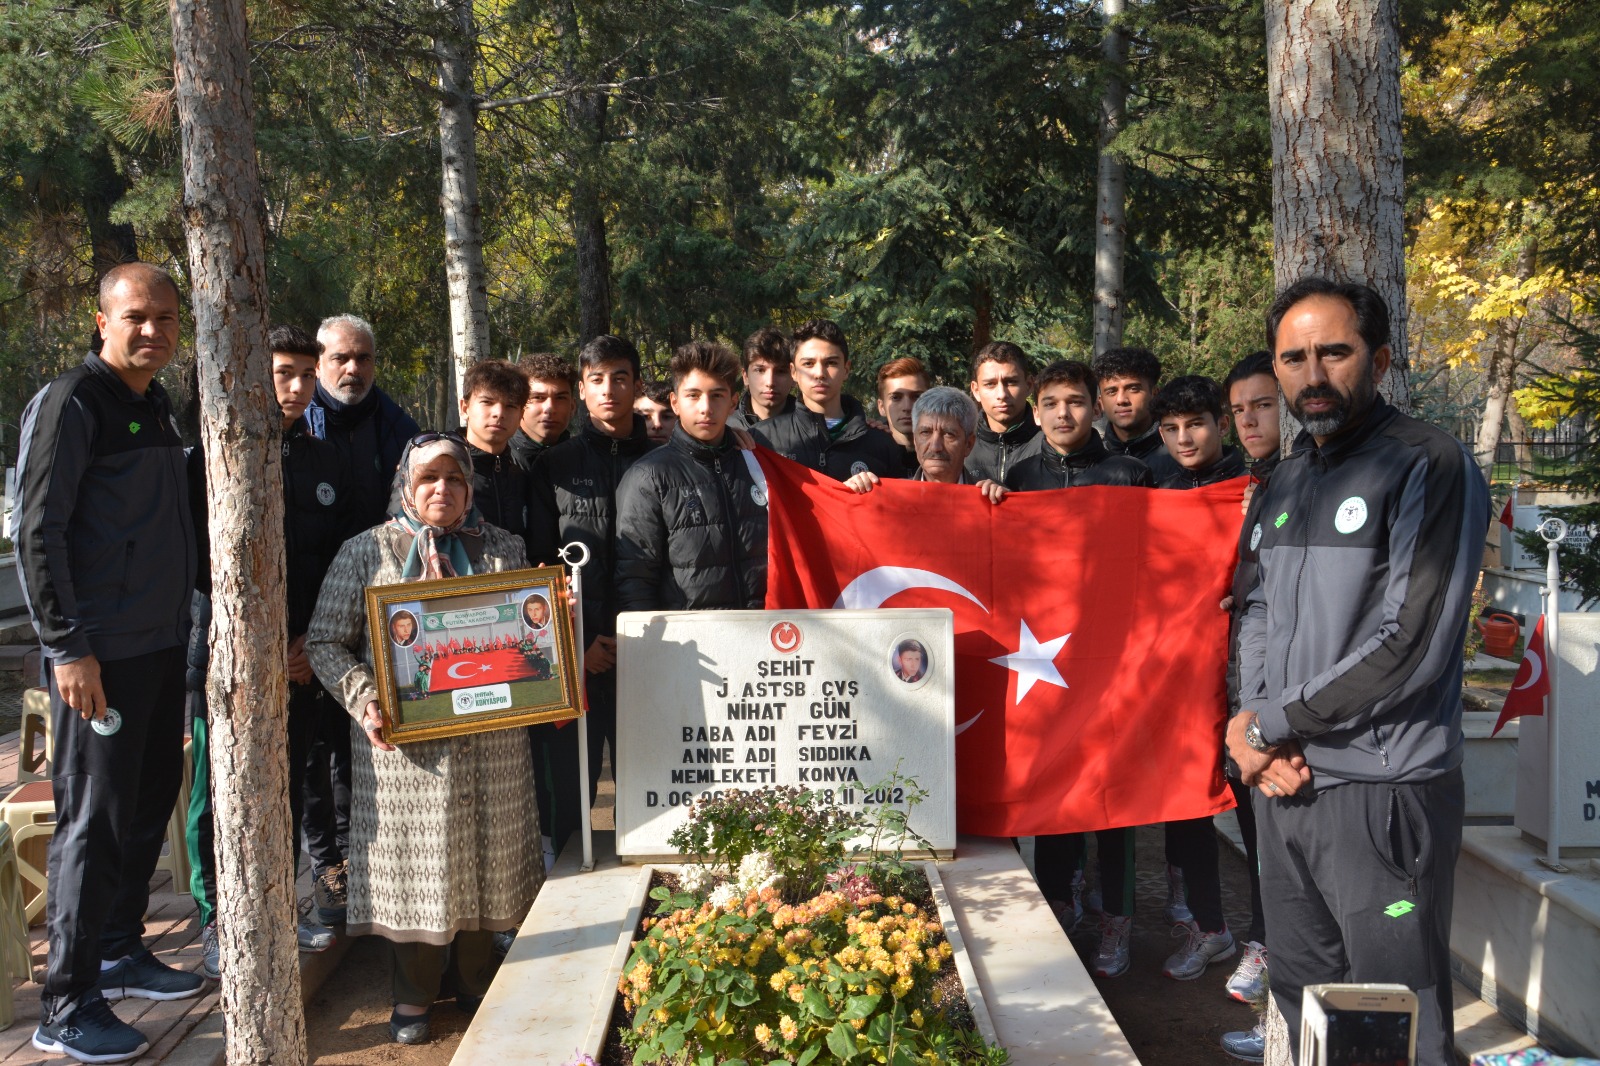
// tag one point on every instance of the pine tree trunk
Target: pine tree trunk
(1111, 224)
(586, 121)
(247, 692)
(1333, 81)
(458, 198)
(110, 242)
(1500, 376)
(1278, 1045)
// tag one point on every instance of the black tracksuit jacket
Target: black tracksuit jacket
(802, 435)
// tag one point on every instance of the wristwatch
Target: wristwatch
(1253, 737)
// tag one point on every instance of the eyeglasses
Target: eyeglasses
(433, 436)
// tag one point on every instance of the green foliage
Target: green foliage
(803, 834)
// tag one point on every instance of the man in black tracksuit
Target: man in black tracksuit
(319, 515)
(1002, 382)
(1072, 455)
(575, 499)
(370, 431)
(493, 395)
(827, 431)
(107, 556)
(692, 522)
(1369, 538)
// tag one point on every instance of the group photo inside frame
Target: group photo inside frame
(471, 654)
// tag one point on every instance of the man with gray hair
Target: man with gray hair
(944, 428)
(369, 431)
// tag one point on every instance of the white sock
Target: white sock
(106, 964)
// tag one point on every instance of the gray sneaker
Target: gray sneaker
(1113, 958)
(1199, 951)
(312, 935)
(1249, 981)
(1248, 1046)
(90, 1032)
(210, 953)
(1177, 912)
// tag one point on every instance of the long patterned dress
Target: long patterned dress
(444, 834)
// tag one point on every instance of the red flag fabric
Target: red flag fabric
(469, 669)
(1091, 651)
(1532, 683)
(1506, 517)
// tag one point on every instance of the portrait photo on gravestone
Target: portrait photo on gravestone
(465, 655)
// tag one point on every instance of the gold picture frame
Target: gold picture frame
(473, 654)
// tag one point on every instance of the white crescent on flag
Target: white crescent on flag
(1537, 672)
(464, 662)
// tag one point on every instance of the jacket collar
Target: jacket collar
(1115, 443)
(634, 443)
(102, 370)
(855, 418)
(1336, 448)
(1094, 450)
(682, 443)
(1014, 436)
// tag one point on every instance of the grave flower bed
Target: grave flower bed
(795, 953)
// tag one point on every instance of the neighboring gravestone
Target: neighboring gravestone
(1577, 765)
(832, 701)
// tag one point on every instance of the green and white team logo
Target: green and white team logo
(1351, 516)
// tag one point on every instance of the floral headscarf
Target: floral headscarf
(435, 551)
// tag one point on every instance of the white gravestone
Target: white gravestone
(832, 701)
(1577, 765)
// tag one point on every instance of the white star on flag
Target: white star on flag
(1033, 662)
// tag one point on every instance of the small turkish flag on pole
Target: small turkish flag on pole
(1532, 683)
(1507, 519)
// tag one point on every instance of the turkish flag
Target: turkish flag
(471, 669)
(1532, 683)
(1507, 519)
(1091, 650)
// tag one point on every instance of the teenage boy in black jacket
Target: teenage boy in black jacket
(828, 430)
(493, 396)
(692, 522)
(552, 384)
(1128, 378)
(575, 499)
(1002, 382)
(1192, 414)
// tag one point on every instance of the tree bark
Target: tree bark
(982, 317)
(458, 198)
(1111, 224)
(1333, 82)
(1500, 376)
(1278, 1040)
(110, 242)
(586, 121)
(246, 691)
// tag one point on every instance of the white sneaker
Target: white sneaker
(1249, 981)
(1114, 957)
(1199, 951)
(312, 935)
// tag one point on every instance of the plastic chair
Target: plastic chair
(36, 752)
(16, 952)
(29, 813)
(176, 857)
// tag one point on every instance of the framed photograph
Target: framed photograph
(471, 654)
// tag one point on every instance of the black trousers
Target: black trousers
(555, 779)
(1192, 847)
(602, 689)
(419, 969)
(1358, 882)
(326, 819)
(1056, 858)
(114, 795)
(1246, 813)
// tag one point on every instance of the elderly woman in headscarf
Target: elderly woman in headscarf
(444, 837)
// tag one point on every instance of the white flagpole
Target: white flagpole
(1553, 530)
(576, 556)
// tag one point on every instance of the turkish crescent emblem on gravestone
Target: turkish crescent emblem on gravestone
(786, 637)
(1352, 515)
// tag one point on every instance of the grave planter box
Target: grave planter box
(554, 995)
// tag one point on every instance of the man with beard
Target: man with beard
(369, 431)
(1350, 668)
(1002, 382)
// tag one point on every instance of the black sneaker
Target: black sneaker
(143, 976)
(90, 1032)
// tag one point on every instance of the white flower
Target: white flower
(755, 870)
(695, 879)
(724, 896)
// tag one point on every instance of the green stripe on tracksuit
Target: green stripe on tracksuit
(198, 833)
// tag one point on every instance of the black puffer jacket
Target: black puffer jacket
(802, 435)
(501, 489)
(1091, 464)
(994, 455)
(1148, 448)
(691, 530)
(1228, 466)
(574, 498)
(527, 450)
